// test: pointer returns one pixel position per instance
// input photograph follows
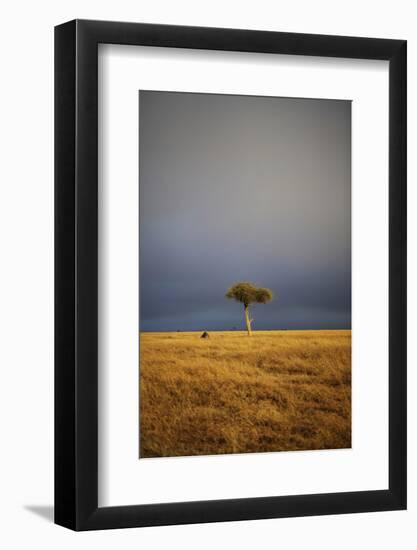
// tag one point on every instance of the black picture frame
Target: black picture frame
(76, 272)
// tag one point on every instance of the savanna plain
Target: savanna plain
(230, 393)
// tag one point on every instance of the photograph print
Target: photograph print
(244, 274)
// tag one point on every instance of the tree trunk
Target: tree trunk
(248, 321)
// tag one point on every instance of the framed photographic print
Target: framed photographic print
(230, 254)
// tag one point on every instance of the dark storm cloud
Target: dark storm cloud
(244, 188)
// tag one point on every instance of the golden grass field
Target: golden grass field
(230, 393)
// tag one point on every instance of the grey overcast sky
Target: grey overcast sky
(241, 188)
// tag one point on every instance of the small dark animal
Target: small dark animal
(205, 335)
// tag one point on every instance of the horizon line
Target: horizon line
(256, 330)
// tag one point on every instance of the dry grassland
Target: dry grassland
(274, 391)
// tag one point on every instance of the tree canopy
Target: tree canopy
(248, 293)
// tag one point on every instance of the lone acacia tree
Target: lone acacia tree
(248, 293)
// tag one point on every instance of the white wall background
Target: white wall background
(26, 274)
